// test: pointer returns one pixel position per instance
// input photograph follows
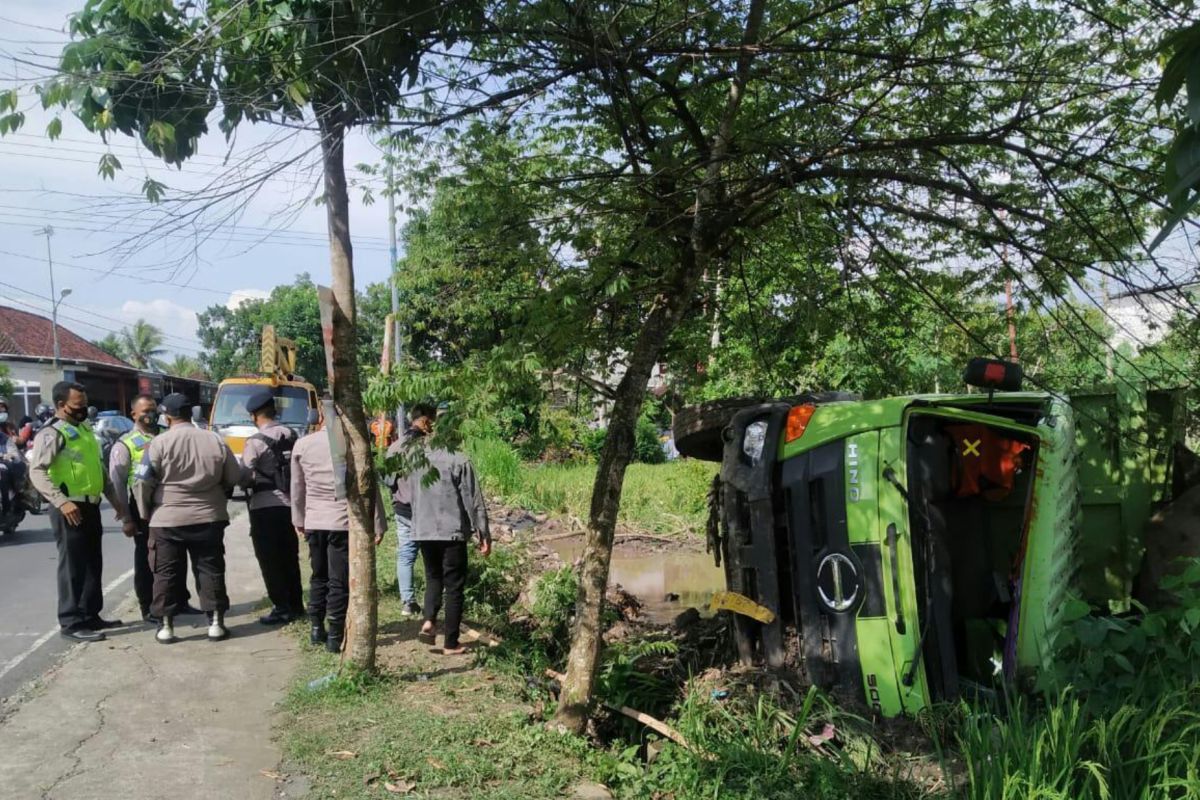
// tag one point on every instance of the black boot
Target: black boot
(318, 634)
(334, 643)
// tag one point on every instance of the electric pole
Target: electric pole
(47, 231)
(396, 338)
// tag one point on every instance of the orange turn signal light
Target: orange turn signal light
(797, 421)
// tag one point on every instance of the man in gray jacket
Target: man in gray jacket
(181, 486)
(445, 512)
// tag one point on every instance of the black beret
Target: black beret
(259, 398)
(177, 405)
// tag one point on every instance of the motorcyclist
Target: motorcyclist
(41, 415)
(12, 466)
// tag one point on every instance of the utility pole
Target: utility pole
(399, 342)
(48, 232)
(1108, 345)
(1009, 311)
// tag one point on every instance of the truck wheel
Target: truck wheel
(698, 429)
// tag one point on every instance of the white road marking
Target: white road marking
(16, 660)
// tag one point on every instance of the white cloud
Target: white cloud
(239, 296)
(177, 322)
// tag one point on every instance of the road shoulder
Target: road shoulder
(133, 718)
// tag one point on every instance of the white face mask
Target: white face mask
(3, 417)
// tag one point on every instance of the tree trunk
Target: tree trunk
(669, 308)
(615, 457)
(362, 615)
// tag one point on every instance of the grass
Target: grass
(1142, 746)
(443, 727)
(665, 498)
(475, 728)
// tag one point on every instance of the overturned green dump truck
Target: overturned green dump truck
(915, 549)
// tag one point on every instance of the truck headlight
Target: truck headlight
(755, 439)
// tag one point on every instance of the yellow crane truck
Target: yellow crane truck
(295, 398)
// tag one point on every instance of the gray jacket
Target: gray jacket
(451, 508)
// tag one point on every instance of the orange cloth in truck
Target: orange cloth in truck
(985, 461)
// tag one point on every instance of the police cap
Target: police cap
(258, 399)
(176, 405)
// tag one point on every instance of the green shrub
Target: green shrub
(498, 465)
(494, 584)
(1105, 657)
(647, 449)
(552, 608)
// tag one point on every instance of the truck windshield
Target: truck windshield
(230, 408)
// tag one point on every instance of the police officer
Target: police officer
(181, 486)
(123, 461)
(65, 466)
(323, 520)
(266, 469)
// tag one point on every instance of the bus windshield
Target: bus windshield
(230, 408)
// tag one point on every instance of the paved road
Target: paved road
(29, 640)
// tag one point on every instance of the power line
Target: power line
(40, 310)
(120, 322)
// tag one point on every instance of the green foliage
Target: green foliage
(1105, 657)
(1143, 745)
(110, 344)
(499, 466)
(658, 498)
(1181, 180)
(6, 384)
(494, 583)
(184, 367)
(750, 749)
(551, 609)
(232, 337)
(142, 345)
(647, 448)
(620, 682)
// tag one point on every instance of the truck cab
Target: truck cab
(915, 549)
(295, 398)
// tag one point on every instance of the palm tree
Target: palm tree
(184, 367)
(111, 345)
(142, 345)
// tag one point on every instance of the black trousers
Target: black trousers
(329, 588)
(445, 573)
(278, 555)
(169, 550)
(80, 562)
(143, 576)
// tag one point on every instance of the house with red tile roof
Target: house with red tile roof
(27, 349)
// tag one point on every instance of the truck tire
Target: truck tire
(699, 429)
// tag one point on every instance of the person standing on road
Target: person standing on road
(445, 513)
(266, 472)
(406, 549)
(323, 521)
(181, 486)
(123, 461)
(65, 467)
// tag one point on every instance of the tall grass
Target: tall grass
(1145, 748)
(661, 498)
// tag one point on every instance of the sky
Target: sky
(115, 251)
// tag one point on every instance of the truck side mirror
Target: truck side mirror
(313, 417)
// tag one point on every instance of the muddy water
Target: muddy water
(653, 577)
